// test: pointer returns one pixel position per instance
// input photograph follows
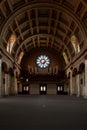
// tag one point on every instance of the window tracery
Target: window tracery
(11, 42)
(75, 43)
(43, 61)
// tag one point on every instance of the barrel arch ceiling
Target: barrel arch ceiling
(43, 23)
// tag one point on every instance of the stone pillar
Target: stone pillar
(85, 87)
(78, 84)
(0, 76)
(71, 83)
(74, 85)
(20, 88)
(15, 83)
(6, 85)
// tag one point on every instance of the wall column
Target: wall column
(74, 85)
(15, 83)
(6, 85)
(0, 75)
(71, 83)
(85, 87)
(78, 84)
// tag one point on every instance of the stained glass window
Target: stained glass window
(75, 43)
(43, 61)
(11, 41)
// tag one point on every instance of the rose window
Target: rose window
(43, 61)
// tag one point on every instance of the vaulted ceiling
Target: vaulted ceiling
(43, 23)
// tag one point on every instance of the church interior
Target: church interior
(43, 64)
(43, 46)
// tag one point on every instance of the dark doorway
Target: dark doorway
(60, 89)
(25, 90)
(43, 88)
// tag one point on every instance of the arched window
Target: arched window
(11, 42)
(65, 58)
(20, 57)
(75, 43)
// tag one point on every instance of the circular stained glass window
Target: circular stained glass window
(43, 61)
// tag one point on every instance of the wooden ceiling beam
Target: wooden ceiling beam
(68, 28)
(38, 39)
(10, 5)
(47, 41)
(3, 11)
(76, 6)
(30, 22)
(52, 42)
(56, 23)
(13, 32)
(37, 20)
(33, 41)
(49, 21)
(83, 12)
(19, 29)
(5, 40)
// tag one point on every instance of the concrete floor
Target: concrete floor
(43, 112)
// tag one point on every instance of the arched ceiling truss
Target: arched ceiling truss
(38, 23)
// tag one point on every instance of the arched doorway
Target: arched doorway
(43, 88)
(11, 81)
(68, 83)
(74, 81)
(82, 78)
(5, 90)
